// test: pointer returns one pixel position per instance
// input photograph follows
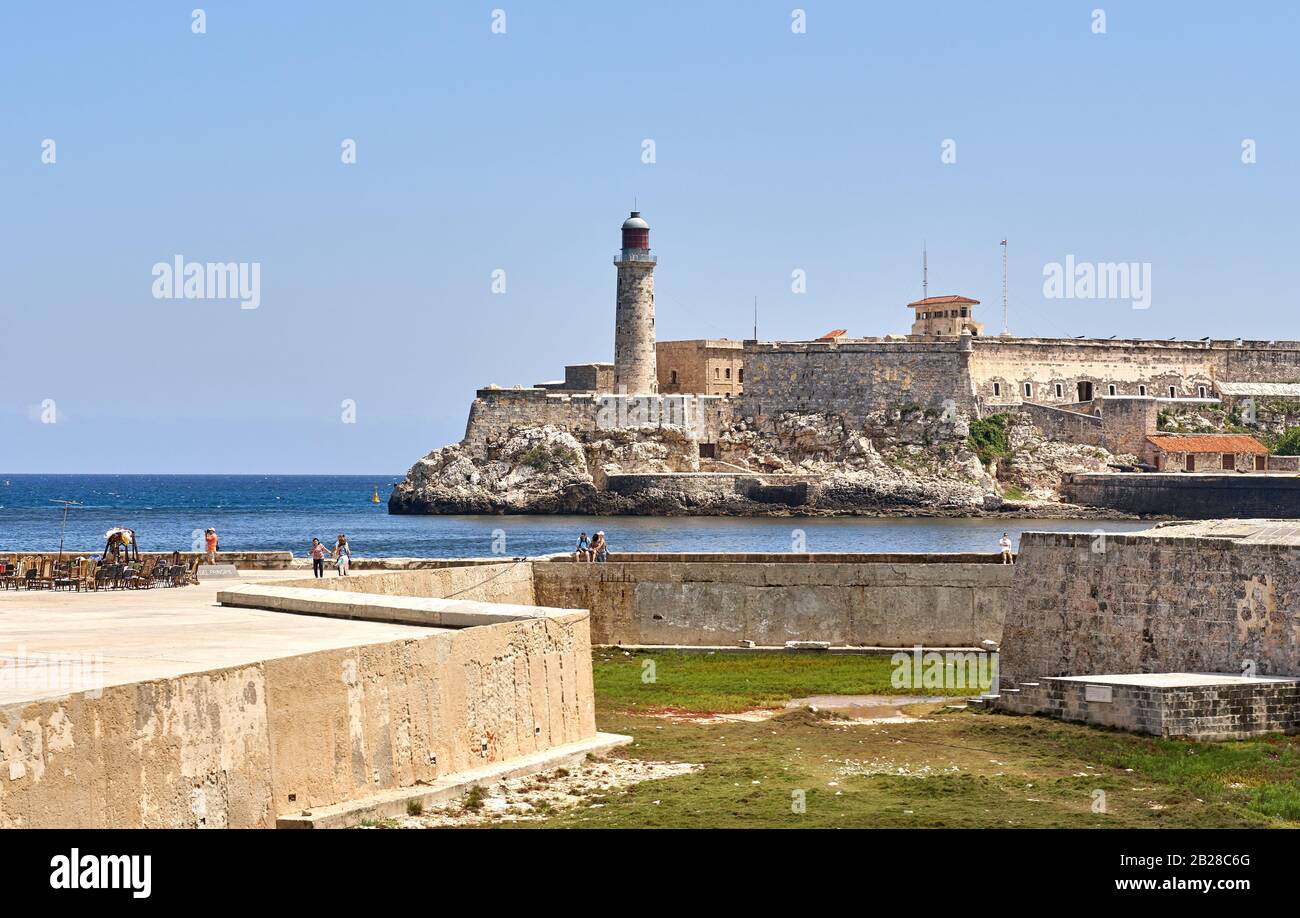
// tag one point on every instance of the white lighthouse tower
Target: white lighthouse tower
(634, 312)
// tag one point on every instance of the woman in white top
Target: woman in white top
(342, 555)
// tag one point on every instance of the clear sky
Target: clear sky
(523, 151)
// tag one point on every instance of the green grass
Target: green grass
(1014, 492)
(729, 682)
(965, 770)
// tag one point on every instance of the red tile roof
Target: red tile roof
(941, 300)
(1208, 443)
(832, 335)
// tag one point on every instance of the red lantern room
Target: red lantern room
(636, 232)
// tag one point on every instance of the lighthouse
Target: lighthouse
(634, 312)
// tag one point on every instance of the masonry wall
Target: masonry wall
(702, 366)
(709, 603)
(854, 378)
(1140, 604)
(1198, 497)
(495, 411)
(504, 582)
(1186, 365)
(1071, 426)
(237, 747)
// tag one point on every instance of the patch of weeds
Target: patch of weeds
(473, 801)
(988, 437)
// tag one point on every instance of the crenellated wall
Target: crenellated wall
(495, 411)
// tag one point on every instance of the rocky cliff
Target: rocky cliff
(913, 462)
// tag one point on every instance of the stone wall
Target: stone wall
(1197, 497)
(854, 378)
(704, 366)
(898, 603)
(502, 582)
(1150, 603)
(237, 747)
(1130, 365)
(495, 411)
(1060, 424)
(1189, 706)
(1127, 422)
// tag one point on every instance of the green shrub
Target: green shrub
(988, 437)
(1289, 443)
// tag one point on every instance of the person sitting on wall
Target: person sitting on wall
(583, 552)
(1005, 544)
(599, 547)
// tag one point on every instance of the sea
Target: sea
(284, 512)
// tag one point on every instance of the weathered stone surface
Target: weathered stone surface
(912, 460)
(1156, 601)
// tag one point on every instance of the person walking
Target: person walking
(342, 555)
(1005, 544)
(210, 544)
(318, 551)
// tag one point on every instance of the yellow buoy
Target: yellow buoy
(375, 499)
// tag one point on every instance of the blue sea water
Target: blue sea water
(283, 512)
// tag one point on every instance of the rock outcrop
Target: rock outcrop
(916, 462)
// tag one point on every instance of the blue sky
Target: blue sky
(522, 151)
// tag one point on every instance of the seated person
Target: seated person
(583, 552)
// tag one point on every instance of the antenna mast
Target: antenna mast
(755, 318)
(925, 273)
(1004, 288)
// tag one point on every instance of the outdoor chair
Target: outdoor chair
(65, 578)
(87, 574)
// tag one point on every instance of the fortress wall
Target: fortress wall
(715, 603)
(495, 411)
(1059, 424)
(1044, 362)
(853, 379)
(1199, 496)
(503, 582)
(1149, 604)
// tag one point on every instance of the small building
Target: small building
(1206, 453)
(945, 316)
(584, 377)
(701, 367)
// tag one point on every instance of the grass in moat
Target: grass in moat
(728, 682)
(956, 769)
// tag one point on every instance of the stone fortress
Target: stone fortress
(1101, 393)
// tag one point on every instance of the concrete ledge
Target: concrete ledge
(773, 648)
(405, 610)
(395, 803)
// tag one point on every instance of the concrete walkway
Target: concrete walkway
(57, 643)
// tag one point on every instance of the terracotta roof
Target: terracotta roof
(941, 300)
(832, 335)
(1208, 443)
